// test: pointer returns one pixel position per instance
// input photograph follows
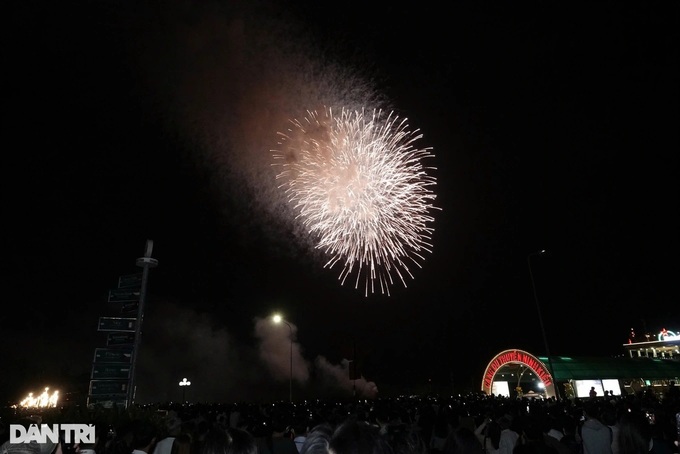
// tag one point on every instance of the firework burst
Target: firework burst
(358, 184)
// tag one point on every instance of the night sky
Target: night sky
(553, 126)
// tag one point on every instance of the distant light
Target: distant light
(43, 400)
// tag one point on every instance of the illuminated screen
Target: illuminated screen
(500, 388)
(612, 385)
(583, 388)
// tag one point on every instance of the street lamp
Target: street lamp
(184, 384)
(540, 319)
(278, 319)
(519, 378)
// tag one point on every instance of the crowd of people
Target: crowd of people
(466, 424)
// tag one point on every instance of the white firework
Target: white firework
(359, 185)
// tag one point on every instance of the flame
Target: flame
(43, 400)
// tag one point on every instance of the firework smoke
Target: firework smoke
(226, 79)
(359, 185)
(181, 342)
(274, 350)
(338, 375)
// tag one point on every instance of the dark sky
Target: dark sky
(553, 126)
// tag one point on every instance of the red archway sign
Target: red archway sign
(518, 357)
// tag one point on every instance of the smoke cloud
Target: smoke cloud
(338, 375)
(279, 351)
(181, 343)
(226, 79)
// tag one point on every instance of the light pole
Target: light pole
(184, 384)
(519, 378)
(540, 319)
(278, 319)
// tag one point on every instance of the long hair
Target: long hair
(241, 442)
(493, 433)
(216, 441)
(182, 444)
(634, 433)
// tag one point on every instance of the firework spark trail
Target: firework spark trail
(359, 185)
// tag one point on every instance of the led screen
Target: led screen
(583, 388)
(500, 388)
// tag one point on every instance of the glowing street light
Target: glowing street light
(278, 319)
(540, 319)
(184, 384)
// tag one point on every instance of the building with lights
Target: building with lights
(665, 345)
(648, 365)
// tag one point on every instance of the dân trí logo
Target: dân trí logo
(72, 433)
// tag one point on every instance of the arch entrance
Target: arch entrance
(518, 360)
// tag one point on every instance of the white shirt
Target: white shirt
(508, 441)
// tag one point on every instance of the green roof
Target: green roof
(584, 368)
